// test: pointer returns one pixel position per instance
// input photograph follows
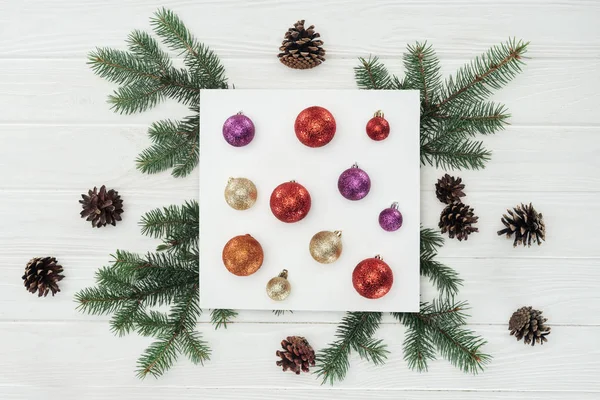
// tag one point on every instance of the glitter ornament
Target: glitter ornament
(240, 193)
(378, 128)
(315, 126)
(279, 288)
(238, 130)
(326, 246)
(390, 219)
(243, 255)
(290, 202)
(354, 183)
(372, 278)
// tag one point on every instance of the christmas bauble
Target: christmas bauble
(240, 193)
(372, 278)
(326, 246)
(279, 288)
(238, 130)
(243, 255)
(354, 183)
(315, 126)
(378, 128)
(390, 219)
(290, 202)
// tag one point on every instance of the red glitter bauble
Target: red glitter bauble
(372, 278)
(315, 126)
(290, 202)
(378, 128)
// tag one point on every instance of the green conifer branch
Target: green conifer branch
(454, 111)
(221, 317)
(354, 333)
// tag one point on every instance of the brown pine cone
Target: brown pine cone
(526, 224)
(301, 48)
(528, 324)
(42, 275)
(103, 207)
(449, 189)
(457, 219)
(297, 355)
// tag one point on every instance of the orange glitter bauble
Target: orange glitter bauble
(372, 278)
(315, 126)
(243, 255)
(290, 202)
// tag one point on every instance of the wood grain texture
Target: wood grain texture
(192, 393)
(539, 163)
(58, 138)
(243, 357)
(548, 92)
(458, 28)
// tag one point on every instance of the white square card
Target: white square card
(275, 156)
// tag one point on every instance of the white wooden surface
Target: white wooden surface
(58, 138)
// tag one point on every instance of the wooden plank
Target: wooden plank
(381, 27)
(243, 357)
(322, 393)
(549, 92)
(524, 159)
(54, 226)
(493, 287)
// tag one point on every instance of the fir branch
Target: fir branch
(121, 67)
(146, 48)
(162, 354)
(439, 326)
(281, 312)
(444, 278)
(354, 333)
(422, 72)
(222, 317)
(448, 153)
(201, 60)
(136, 97)
(492, 70)
(153, 323)
(431, 240)
(372, 74)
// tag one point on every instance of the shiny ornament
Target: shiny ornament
(240, 193)
(326, 246)
(378, 128)
(390, 219)
(372, 278)
(290, 202)
(238, 130)
(243, 255)
(354, 183)
(279, 288)
(315, 126)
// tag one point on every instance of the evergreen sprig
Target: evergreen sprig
(133, 285)
(455, 110)
(146, 76)
(438, 327)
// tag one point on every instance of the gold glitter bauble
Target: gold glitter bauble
(243, 255)
(279, 288)
(326, 246)
(240, 193)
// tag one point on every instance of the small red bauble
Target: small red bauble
(290, 202)
(315, 126)
(372, 278)
(378, 128)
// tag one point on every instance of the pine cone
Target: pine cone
(297, 355)
(104, 207)
(42, 275)
(528, 323)
(301, 48)
(449, 189)
(526, 223)
(456, 219)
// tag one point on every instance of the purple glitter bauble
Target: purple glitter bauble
(390, 219)
(238, 130)
(354, 183)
